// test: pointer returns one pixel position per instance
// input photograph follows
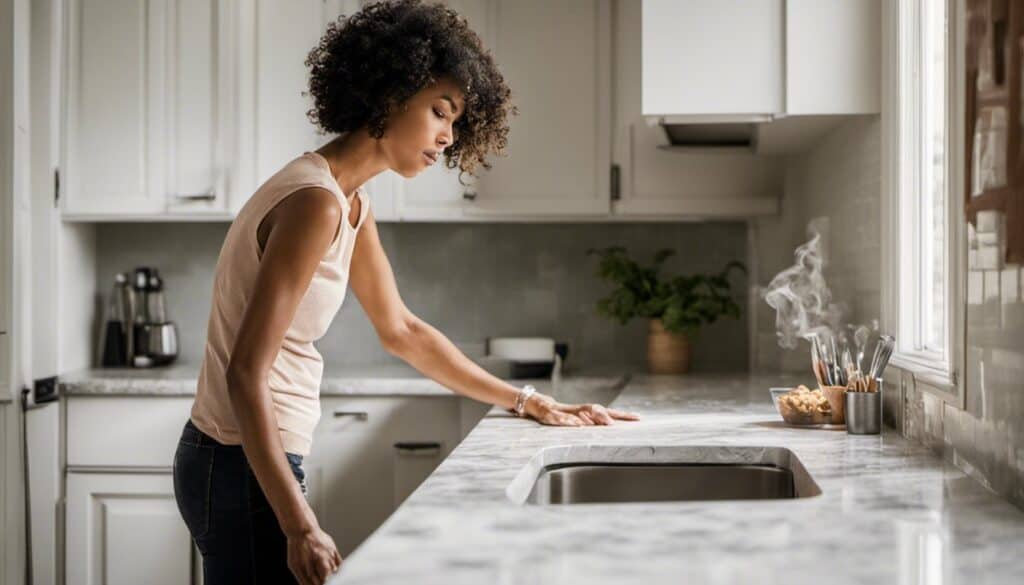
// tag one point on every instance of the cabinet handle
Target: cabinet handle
(356, 414)
(416, 448)
(208, 196)
(469, 195)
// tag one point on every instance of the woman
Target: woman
(401, 83)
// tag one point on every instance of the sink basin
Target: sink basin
(624, 482)
(661, 474)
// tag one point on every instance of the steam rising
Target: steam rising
(799, 294)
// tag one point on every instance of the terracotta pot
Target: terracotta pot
(837, 401)
(667, 352)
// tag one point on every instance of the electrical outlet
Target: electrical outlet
(45, 389)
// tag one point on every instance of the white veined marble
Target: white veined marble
(890, 511)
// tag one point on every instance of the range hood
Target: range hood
(711, 133)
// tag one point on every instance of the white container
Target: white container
(522, 348)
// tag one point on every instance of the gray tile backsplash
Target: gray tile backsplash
(470, 280)
(986, 438)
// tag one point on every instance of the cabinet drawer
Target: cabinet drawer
(136, 431)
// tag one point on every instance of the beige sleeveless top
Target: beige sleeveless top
(294, 377)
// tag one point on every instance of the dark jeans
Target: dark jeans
(227, 513)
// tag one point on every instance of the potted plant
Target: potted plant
(676, 308)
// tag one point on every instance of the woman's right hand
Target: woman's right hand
(312, 556)
(548, 411)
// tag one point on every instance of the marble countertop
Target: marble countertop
(180, 380)
(890, 511)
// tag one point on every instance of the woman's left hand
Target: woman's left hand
(548, 411)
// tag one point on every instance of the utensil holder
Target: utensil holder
(834, 394)
(864, 412)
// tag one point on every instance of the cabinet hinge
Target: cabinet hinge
(615, 185)
(56, 186)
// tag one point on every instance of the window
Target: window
(920, 235)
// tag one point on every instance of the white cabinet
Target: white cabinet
(122, 523)
(148, 91)
(712, 57)
(833, 57)
(764, 58)
(180, 109)
(146, 432)
(556, 57)
(437, 194)
(356, 475)
(125, 529)
(658, 183)
(275, 37)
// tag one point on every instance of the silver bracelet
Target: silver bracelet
(524, 394)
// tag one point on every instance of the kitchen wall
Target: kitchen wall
(838, 177)
(469, 280)
(986, 439)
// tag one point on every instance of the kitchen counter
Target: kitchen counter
(890, 511)
(181, 380)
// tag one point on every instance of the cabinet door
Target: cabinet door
(556, 57)
(351, 471)
(348, 472)
(437, 194)
(125, 529)
(833, 52)
(115, 135)
(199, 92)
(423, 431)
(276, 37)
(712, 57)
(147, 125)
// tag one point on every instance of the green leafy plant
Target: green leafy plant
(684, 303)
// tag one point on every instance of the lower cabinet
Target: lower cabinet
(122, 524)
(125, 529)
(370, 453)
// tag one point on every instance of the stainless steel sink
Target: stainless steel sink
(733, 474)
(624, 482)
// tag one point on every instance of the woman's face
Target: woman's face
(417, 135)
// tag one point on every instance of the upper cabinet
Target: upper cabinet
(833, 57)
(556, 57)
(275, 36)
(760, 60)
(655, 182)
(181, 109)
(712, 57)
(145, 125)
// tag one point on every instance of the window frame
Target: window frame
(903, 144)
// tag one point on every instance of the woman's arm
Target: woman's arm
(302, 227)
(425, 348)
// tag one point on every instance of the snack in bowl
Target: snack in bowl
(803, 406)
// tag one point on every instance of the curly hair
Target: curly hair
(370, 62)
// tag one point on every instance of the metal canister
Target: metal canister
(864, 412)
